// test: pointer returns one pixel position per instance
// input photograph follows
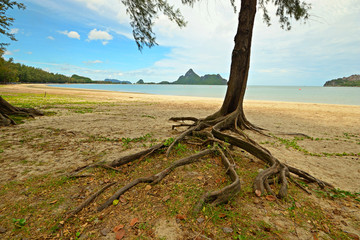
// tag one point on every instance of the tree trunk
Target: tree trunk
(240, 63)
(8, 109)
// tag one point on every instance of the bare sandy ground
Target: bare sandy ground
(59, 143)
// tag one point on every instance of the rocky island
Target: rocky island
(352, 81)
(191, 78)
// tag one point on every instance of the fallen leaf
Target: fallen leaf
(227, 230)
(105, 231)
(118, 227)
(53, 202)
(326, 228)
(258, 192)
(270, 198)
(120, 234)
(62, 222)
(267, 229)
(337, 211)
(353, 236)
(222, 215)
(115, 202)
(315, 236)
(148, 187)
(200, 177)
(200, 220)
(122, 199)
(181, 217)
(167, 197)
(134, 221)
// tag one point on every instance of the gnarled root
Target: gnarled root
(225, 194)
(118, 162)
(7, 109)
(210, 132)
(154, 179)
(243, 141)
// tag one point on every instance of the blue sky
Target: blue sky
(93, 38)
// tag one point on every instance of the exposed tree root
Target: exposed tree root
(218, 133)
(87, 202)
(156, 178)
(7, 109)
(243, 141)
(225, 194)
(119, 162)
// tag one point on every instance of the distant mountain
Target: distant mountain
(191, 78)
(140, 81)
(117, 81)
(164, 82)
(352, 81)
(78, 78)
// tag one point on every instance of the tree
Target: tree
(226, 126)
(5, 21)
(7, 72)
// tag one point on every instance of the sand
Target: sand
(59, 143)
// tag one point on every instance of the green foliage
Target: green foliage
(5, 21)
(142, 14)
(19, 222)
(168, 142)
(338, 193)
(8, 73)
(285, 11)
(16, 72)
(127, 141)
(180, 148)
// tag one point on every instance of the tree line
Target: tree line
(11, 72)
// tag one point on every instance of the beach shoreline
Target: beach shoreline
(136, 114)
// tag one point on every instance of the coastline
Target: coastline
(136, 114)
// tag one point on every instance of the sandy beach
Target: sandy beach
(82, 127)
(336, 128)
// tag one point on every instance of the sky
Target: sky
(93, 38)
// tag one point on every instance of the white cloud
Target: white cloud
(92, 62)
(325, 47)
(103, 36)
(8, 52)
(71, 34)
(51, 38)
(29, 53)
(14, 31)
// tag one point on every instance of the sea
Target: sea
(306, 94)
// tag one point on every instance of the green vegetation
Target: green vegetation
(293, 143)
(81, 79)
(16, 72)
(19, 222)
(352, 81)
(7, 21)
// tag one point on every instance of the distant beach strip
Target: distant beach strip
(334, 95)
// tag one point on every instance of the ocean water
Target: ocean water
(330, 95)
